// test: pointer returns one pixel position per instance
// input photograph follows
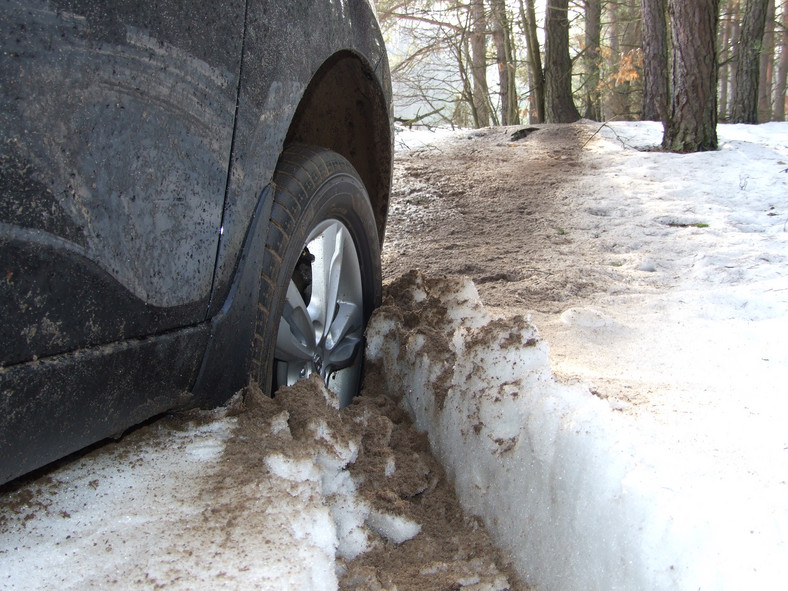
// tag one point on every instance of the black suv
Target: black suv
(192, 194)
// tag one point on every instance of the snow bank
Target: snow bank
(269, 494)
(260, 499)
(423, 138)
(320, 458)
(579, 497)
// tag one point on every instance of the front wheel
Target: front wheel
(321, 275)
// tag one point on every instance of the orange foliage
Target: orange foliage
(629, 67)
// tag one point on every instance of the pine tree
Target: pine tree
(691, 125)
(655, 60)
(559, 104)
(744, 104)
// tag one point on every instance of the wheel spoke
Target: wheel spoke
(345, 336)
(334, 280)
(328, 249)
(322, 325)
(344, 355)
(295, 339)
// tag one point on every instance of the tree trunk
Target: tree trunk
(463, 115)
(692, 120)
(782, 69)
(559, 104)
(744, 108)
(655, 60)
(593, 39)
(767, 67)
(736, 34)
(536, 74)
(504, 49)
(617, 104)
(633, 41)
(479, 64)
(724, 71)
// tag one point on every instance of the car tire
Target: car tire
(321, 276)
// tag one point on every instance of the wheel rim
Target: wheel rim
(321, 329)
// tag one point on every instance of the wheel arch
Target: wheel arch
(345, 109)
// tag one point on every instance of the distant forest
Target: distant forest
(475, 63)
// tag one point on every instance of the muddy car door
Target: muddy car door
(116, 121)
(116, 125)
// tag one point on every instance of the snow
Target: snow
(686, 491)
(423, 138)
(580, 497)
(690, 494)
(163, 509)
(117, 521)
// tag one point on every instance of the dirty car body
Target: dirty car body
(140, 140)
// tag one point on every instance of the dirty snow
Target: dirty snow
(650, 451)
(596, 354)
(264, 494)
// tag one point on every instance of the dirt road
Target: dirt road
(511, 214)
(504, 213)
(495, 210)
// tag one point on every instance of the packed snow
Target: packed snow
(685, 488)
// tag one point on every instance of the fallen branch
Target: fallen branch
(618, 137)
(411, 122)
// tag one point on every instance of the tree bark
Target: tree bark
(655, 60)
(463, 56)
(691, 125)
(736, 33)
(744, 108)
(724, 71)
(479, 64)
(504, 49)
(536, 74)
(767, 67)
(593, 39)
(559, 104)
(782, 69)
(624, 38)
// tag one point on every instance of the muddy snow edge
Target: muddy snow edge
(566, 487)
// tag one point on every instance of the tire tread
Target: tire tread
(300, 172)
